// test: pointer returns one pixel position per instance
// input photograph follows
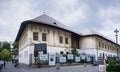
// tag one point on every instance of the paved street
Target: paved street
(23, 68)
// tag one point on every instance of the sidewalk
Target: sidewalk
(24, 68)
(10, 68)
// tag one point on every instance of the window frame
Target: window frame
(35, 36)
(60, 39)
(66, 40)
(44, 37)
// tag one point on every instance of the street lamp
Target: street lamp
(116, 31)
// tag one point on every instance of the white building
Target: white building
(46, 35)
(98, 45)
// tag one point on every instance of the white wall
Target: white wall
(24, 54)
(95, 51)
(51, 49)
(106, 53)
(24, 58)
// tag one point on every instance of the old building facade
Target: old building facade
(57, 38)
(98, 46)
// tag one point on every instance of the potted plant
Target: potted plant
(37, 62)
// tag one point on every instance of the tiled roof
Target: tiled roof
(46, 20)
(89, 32)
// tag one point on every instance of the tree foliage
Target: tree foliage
(15, 47)
(6, 45)
(15, 44)
(5, 50)
(5, 54)
(74, 49)
(0, 44)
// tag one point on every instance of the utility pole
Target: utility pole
(116, 31)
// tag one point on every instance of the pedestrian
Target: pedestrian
(16, 63)
(4, 65)
(1, 64)
(13, 61)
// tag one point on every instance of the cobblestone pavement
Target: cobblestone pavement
(23, 68)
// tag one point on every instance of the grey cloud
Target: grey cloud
(77, 14)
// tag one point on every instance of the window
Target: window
(102, 45)
(44, 35)
(66, 40)
(61, 39)
(108, 47)
(35, 36)
(99, 44)
(105, 46)
(103, 55)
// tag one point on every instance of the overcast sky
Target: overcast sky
(102, 16)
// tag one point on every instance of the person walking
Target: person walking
(1, 64)
(16, 63)
(4, 64)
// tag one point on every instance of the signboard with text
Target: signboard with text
(77, 59)
(43, 57)
(62, 59)
(88, 58)
(52, 59)
(70, 56)
(82, 57)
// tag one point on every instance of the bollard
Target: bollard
(85, 64)
(57, 66)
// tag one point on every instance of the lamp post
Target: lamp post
(97, 54)
(116, 31)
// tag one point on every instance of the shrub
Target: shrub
(70, 61)
(83, 61)
(118, 68)
(112, 67)
(42, 62)
(74, 49)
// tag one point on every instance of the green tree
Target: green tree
(15, 47)
(1, 56)
(5, 54)
(15, 44)
(4, 50)
(74, 49)
(6, 45)
(0, 46)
